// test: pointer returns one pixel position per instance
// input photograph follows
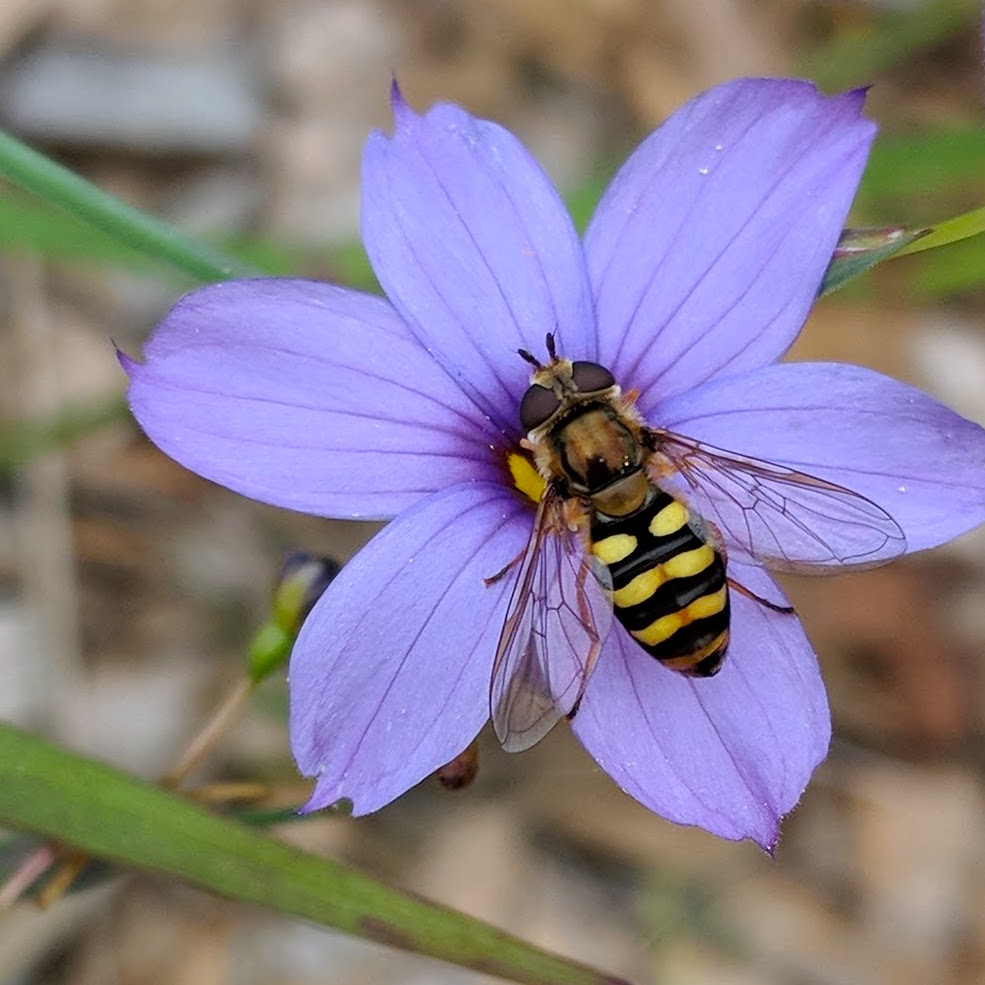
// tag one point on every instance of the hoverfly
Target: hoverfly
(633, 522)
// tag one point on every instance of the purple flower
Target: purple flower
(695, 276)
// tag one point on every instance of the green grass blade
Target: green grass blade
(39, 227)
(51, 182)
(92, 807)
(949, 231)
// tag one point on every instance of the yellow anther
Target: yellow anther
(525, 477)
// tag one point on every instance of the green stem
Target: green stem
(51, 182)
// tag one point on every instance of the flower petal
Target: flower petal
(732, 753)
(917, 459)
(707, 250)
(306, 396)
(475, 249)
(389, 678)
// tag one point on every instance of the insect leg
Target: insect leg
(492, 579)
(786, 610)
(719, 542)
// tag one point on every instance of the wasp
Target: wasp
(633, 523)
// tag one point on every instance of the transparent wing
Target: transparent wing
(785, 519)
(558, 616)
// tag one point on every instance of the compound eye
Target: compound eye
(538, 404)
(591, 377)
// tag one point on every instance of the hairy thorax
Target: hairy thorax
(601, 458)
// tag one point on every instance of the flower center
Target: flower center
(525, 477)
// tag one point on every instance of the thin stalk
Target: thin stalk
(52, 182)
(203, 743)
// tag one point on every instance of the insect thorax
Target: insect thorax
(598, 456)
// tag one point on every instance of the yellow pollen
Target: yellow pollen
(525, 477)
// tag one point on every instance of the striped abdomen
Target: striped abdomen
(669, 584)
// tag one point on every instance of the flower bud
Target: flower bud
(302, 580)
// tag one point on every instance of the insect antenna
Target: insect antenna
(533, 360)
(551, 348)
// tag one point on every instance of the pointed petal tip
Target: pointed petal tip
(130, 366)
(857, 98)
(313, 803)
(765, 833)
(402, 112)
(319, 802)
(769, 839)
(854, 99)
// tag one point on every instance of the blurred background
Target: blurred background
(130, 588)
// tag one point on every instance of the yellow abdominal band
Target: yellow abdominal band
(665, 627)
(645, 584)
(614, 549)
